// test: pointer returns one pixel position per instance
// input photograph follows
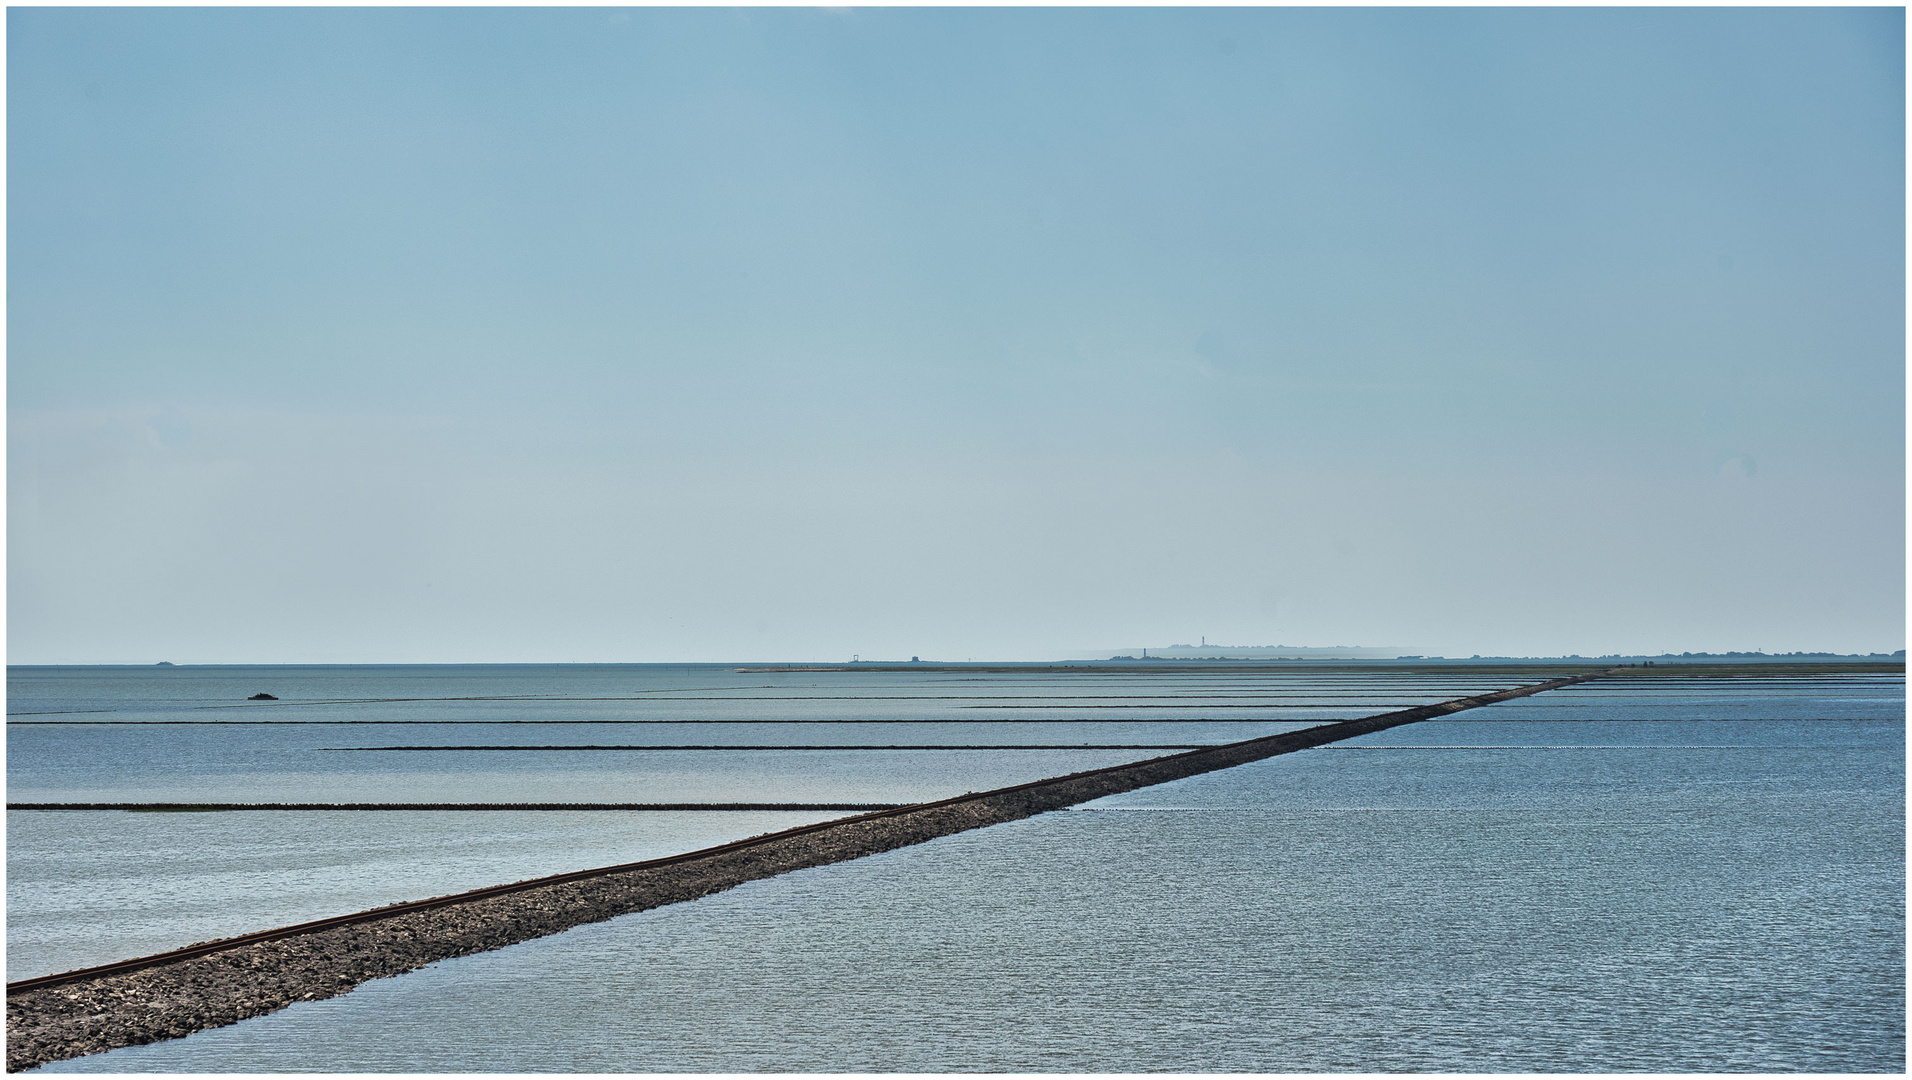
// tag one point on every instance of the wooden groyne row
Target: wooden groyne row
(176, 993)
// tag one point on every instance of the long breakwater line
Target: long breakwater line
(175, 993)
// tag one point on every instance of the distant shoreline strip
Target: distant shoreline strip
(205, 807)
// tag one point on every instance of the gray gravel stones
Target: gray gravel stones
(101, 1012)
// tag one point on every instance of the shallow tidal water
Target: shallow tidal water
(78, 895)
(89, 887)
(1662, 878)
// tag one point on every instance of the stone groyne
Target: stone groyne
(186, 990)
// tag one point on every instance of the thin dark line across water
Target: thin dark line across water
(1349, 705)
(183, 808)
(892, 746)
(965, 720)
(476, 723)
(1641, 746)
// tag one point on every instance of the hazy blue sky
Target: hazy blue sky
(591, 334)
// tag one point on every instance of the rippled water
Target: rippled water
(1640, 877)
(90, 888)
(86, 887)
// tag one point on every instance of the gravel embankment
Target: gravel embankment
(91, 1013)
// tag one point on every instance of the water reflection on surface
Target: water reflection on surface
(1519, 889)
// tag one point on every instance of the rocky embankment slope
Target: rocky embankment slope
(188, 990)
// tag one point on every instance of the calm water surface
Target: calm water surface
(1666, 877)
(88, 887)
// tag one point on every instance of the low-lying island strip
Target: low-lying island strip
(176, 993)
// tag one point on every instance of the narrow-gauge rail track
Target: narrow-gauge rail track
(174, 993)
